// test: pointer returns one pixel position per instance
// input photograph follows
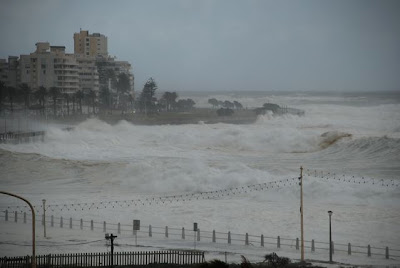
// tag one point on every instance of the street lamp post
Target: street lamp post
(33, 224)
(330, 236)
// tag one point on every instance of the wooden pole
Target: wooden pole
(301, 212)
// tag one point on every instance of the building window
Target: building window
(44, 71)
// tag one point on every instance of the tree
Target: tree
(40, 95)
(67, 98)
(25, 91)
(213, 102)
(79, 96)
(54, 93)
(92, 97)
(11, 92)
(123, 90)
(228, 104)
(185, 105)
(169, 99)
(104, 97)
(147, 100)
(238, 105)
(3, 90)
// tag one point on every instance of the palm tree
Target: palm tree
(67, 97)
(12, 91)
(41, 94)
(79, 96)
(105, 97)
(3, 89)
(54, 93)
(25, 92)
(92, 97)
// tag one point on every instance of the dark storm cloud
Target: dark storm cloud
(226, 45)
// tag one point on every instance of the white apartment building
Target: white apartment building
(88, 75)
(49, 66)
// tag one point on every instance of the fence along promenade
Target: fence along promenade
(104, 259)
(214, 237)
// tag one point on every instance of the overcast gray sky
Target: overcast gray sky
(226, 44)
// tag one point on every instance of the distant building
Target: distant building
(90, 45)
(9, 71)
(49, 66)
(88, 74)
(109, 69)
(89, 68)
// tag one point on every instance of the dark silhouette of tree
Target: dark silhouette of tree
(54, 93)
(169, 100)
(104, 97)
(79, 96)
(92, 98)
(40, 95)
(213, 102)
(185, 105)
(238, 105)
(228, 104)
(11, 92)
(67, 98)
(3, 92)
(147, 100)
(25, 91)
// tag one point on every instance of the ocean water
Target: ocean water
(348, 145)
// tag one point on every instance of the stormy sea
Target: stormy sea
(226, 177)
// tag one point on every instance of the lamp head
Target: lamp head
(330, 213)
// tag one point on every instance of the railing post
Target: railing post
(229, 238)
(369, 251)
(104, 226)
(278, 242)
(387, 253)
(183, 232)
(166, 231)
(24, 217)
(262, 240)
(6, 215)
(61, 222)
(312, 245)
(81, 225)
(91, 225)
(70, 223)
(213, 237)
(119, 228)
(16, 216)
(150, 232)
(198, 234)
(52, 221)
(349, 249)
(297, 243)
(246, 240)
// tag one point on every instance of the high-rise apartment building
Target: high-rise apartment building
(49, 66)
(90, 45)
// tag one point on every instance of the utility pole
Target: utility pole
(301, 214)
(44, 217)
(111, 237)
(330, 236)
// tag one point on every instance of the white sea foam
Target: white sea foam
(96, 161)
